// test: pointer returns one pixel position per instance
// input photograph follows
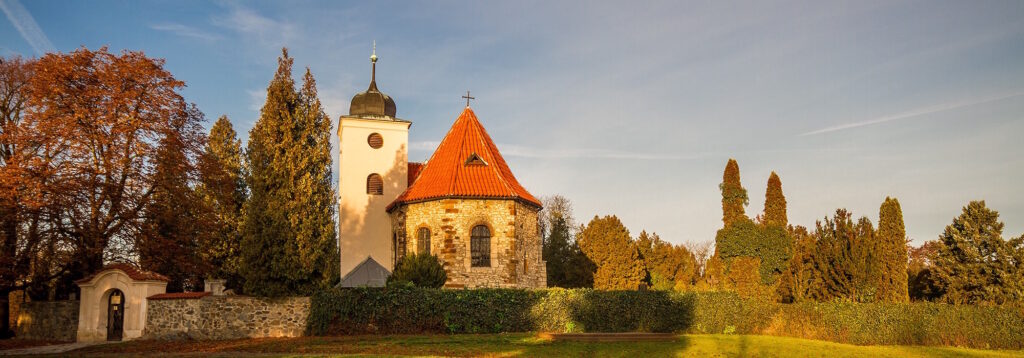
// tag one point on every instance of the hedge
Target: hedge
(420, 310)
(424, 310)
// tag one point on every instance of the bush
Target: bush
(416, 310)
(421, 270)
(419, 310)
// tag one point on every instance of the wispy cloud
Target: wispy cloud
(916, 113)
(512, 150)
(263, 29)
(27, 27)
(185, 31)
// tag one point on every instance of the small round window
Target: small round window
(375, 140)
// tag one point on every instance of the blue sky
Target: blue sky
(633, 108)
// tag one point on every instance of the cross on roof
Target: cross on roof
(468, 97)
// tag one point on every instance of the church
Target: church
(463, 205)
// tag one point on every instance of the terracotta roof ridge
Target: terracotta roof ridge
(485, 139)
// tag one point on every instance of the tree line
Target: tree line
(767, 257)
(103, 160)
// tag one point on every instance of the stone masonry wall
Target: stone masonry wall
(49, 320)
(515, 241)
(226, 317)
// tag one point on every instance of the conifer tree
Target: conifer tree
(607, 243)
(775, 203)
(289, 238)
(892, 242)
(794, 281)
(833, 267)
(223, 191)
(734, 196)
(866, 256)
(973, 264)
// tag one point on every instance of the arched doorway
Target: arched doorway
(115, 316)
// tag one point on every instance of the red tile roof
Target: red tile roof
(414, 171)
(448, 173)
(133, 272)
(179, 295)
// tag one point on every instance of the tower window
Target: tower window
(375, 140)
(423, 241)
(480, 246)
(374, 184)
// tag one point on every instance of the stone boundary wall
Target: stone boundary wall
(49, 320)
(226, 317)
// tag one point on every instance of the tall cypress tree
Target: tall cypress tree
(734, 196)
(775, 203)
(222, 188)
(289, 238)
(892, 242)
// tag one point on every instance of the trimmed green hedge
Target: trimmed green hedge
(420, 310)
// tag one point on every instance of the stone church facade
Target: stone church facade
(463, 205)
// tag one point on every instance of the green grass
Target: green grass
(529, 345)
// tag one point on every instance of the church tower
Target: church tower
(372, 172)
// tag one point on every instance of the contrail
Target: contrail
(914, 113)
(26, 25)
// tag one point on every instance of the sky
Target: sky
(632, 108)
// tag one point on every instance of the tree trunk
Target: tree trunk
(5, 314)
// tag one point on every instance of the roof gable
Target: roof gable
(465, 164)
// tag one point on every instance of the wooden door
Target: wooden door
(115, 316)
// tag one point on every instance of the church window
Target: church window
(375, 140)
(475, 159)
(480, 246)
(423, 241)
(374, 184)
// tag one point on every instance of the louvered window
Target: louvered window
(423, 241)
(375, 140)
(474, 159)
(480, 246)
(374, 184)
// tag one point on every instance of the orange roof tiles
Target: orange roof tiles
(413, 171)
(448, 173)
(133, 272)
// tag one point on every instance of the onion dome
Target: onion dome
(372, 102)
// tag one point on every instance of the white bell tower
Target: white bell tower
(372, 172)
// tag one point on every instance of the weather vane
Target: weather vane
(468, 97)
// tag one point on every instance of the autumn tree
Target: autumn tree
(701, 251)
(289, 238)
(223, 192)
(175, 222)
(668, 266)
(734, 196)
(98, 118)
(775, 203)
(920, 284)
(973, 264)
(607, 243)
(892, 250)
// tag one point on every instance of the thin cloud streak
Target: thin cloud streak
(185, 31)
(915, 113)
(27, 27)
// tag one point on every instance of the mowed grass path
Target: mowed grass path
(527, 345)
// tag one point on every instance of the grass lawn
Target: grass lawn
(527, 345)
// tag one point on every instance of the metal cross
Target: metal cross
(468, 97)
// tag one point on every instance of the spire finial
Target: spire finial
(468, 97)
(373, 70)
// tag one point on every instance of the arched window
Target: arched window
(423, 241)
(480, 246)
(374, 184)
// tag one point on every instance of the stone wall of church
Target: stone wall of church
(49, 320)
(226, 317)
(515, 241)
